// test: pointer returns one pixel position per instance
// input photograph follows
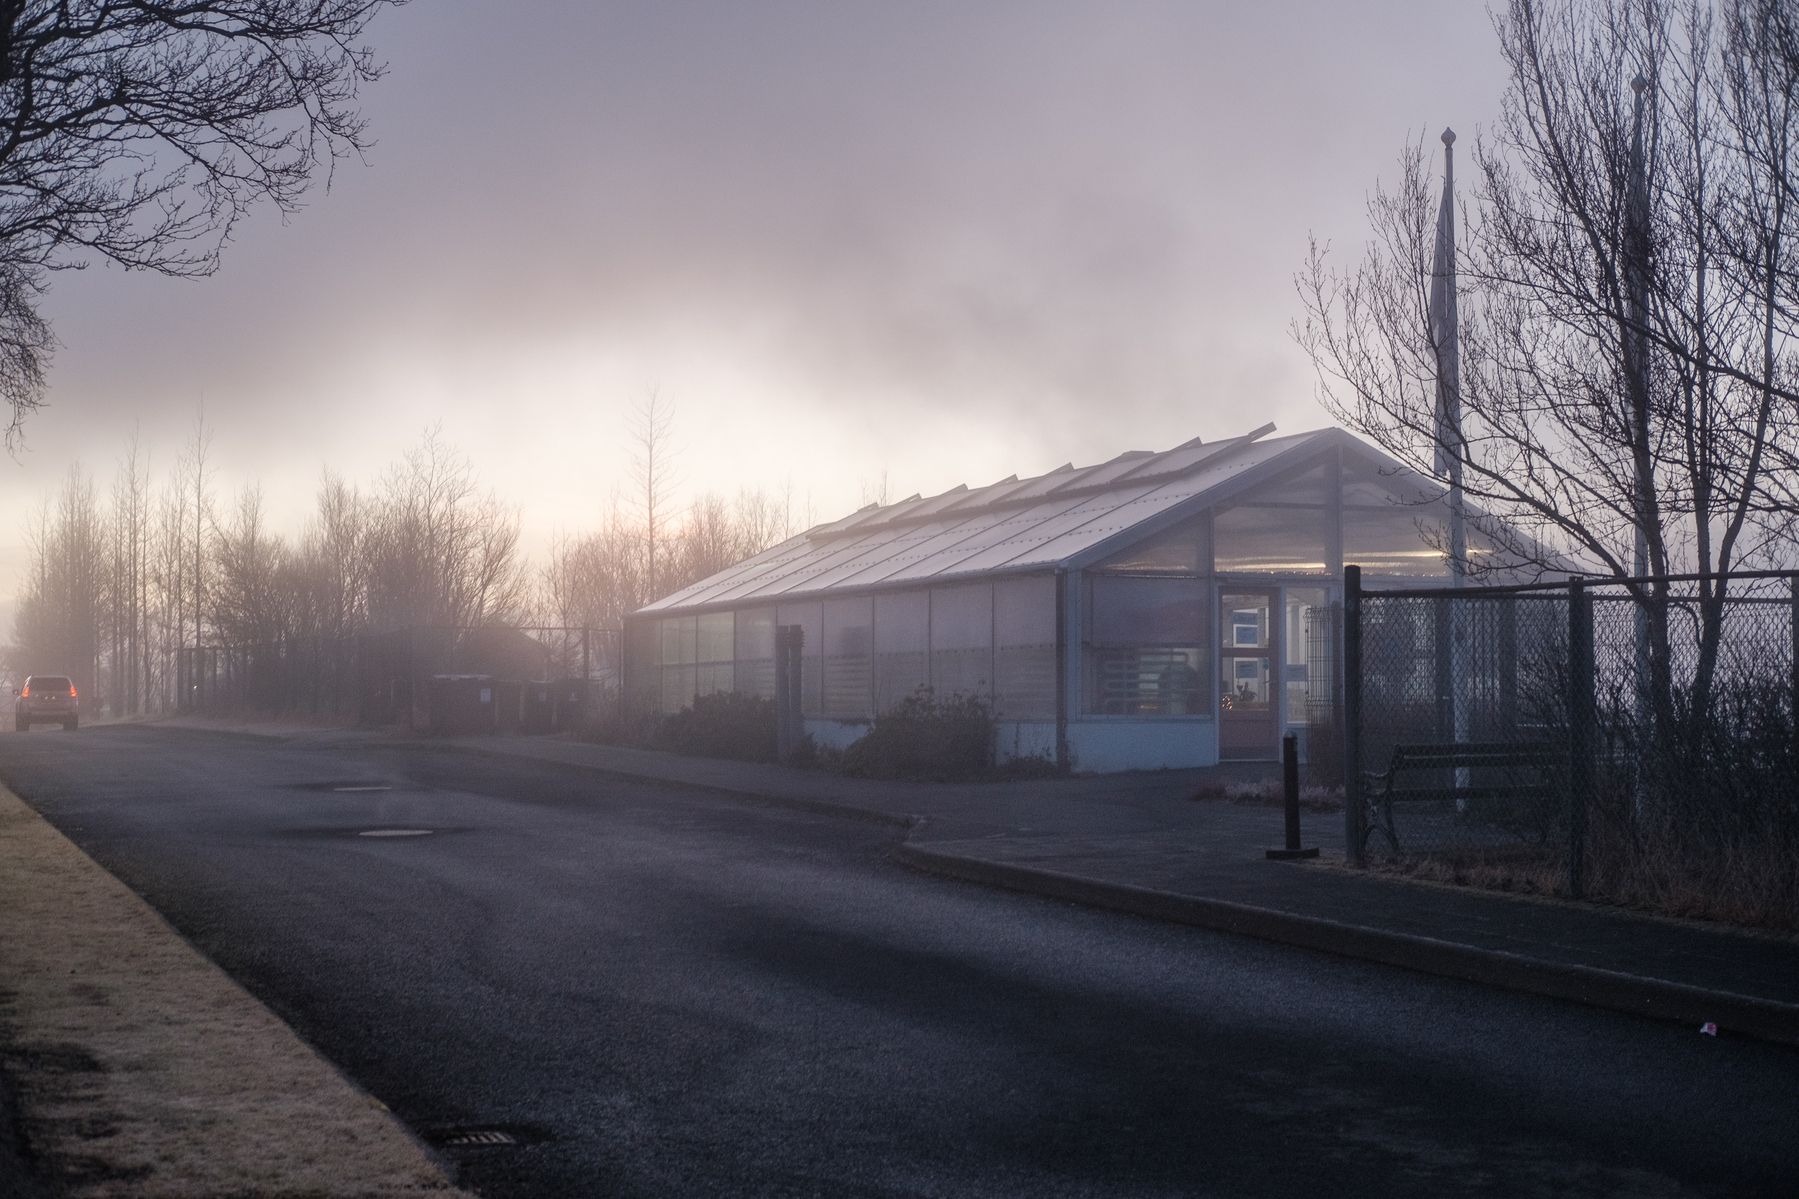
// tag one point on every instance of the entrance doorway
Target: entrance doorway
(1248, 657)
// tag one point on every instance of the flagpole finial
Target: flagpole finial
(1449, 137)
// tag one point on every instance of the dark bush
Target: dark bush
(608, 726)
(926, 738)
(726, 724)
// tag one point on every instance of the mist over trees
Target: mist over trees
(1628, 278)
(1579, 305)
(141, 133)
(119, 586)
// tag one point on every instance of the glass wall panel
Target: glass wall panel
(1393, 540)
(680, 640)
(1266, 540)
(1312, 486)
(1024, 653)
(1183, 550)
(1148, 646)
(902, 646)
(848, 657)
(716, 636)
(680, 650)
(962, 640)
(1305, 645)
(809, 616)
(755, 652)
(643, 664)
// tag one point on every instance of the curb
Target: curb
(1651, 998)
(814, 807)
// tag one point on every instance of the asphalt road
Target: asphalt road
(666, 992)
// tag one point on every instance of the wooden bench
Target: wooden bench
(1511, 773)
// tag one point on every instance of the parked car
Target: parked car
(47, 697)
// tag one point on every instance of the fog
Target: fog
(929, 242)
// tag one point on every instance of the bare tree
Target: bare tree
(1627, 306)
(59, 622)
(130, 588)
(652, 471)
(441, 552)
(141, 132)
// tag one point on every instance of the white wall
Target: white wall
(1120, 743)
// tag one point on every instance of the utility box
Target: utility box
(462, 704)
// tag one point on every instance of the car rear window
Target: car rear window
(48, 682)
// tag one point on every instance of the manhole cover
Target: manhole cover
(341, 785)
(396, 832)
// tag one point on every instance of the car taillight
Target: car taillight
(25, 694)
(71, 691)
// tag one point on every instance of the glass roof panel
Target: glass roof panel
(995, 527)
(1000, 528)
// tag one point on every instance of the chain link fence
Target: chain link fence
(1633, 740)
(387, 678)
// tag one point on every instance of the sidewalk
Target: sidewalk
(132, 1066)
(1138, 843)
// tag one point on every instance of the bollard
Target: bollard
(1290, 786)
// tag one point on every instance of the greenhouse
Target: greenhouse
(1159, 609)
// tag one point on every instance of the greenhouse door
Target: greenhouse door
(1247, 657)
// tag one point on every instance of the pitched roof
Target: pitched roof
(1013, 525)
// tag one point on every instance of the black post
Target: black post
(1793, 683)
(1352, 713)
(1580, 730)
(789, 720)
(1290, 788)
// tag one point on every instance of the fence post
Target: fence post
(1580, 729)
(1352, 713)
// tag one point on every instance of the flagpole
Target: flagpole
(1451, 620)
(1444, 333)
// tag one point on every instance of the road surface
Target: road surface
(655, 991)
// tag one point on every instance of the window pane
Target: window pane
(679, 640)
(809, 616)
(755, 648)
(848, 657)
(962, 640)
(717, 634)
(1394, 540)
(1146, 680)
(902, 640)
(1311, 486)
(1148, 646)
(1130, 611)
(1271, 540)
(1024, 660)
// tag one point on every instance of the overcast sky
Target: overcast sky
(950, 242)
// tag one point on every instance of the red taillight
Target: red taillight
(71, 691)
(26, 694)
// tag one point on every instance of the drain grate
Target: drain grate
(471, 1137)
(488, 1136)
